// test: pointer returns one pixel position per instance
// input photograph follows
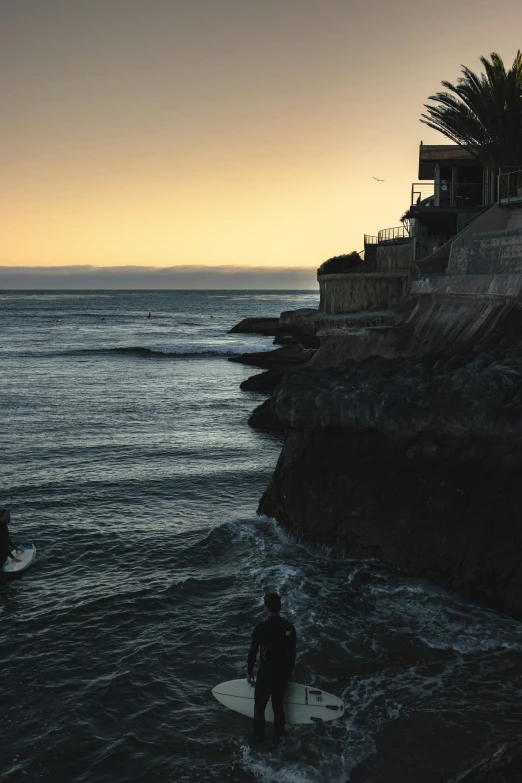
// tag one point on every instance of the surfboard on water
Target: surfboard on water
(302, 703)
(26, 557)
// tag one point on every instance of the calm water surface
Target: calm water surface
(127, 460)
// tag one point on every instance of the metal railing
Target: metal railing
(448, 194)
(393, 236)
(510, 186)
(370, 240)
(422, 194)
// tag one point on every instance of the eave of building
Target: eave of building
(446, 154)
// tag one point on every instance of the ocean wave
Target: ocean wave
(187, 351)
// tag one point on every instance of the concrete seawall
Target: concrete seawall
(440, 312)
(351, 293)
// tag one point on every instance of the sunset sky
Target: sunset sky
(244, 132)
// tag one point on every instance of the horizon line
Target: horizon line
(151, 267)
(87, 277)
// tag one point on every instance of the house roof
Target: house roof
(449, 154)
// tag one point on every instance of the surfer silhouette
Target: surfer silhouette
(275, 639)
(149, 315)
(6, 545)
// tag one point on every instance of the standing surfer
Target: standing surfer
(6, 545)
(275, 639)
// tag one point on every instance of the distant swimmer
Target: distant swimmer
(275, 639)
(56, 320)
(149, 315)
(7, 548)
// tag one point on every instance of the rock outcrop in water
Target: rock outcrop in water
(414, 460)
(294, 325)
(279, 360)
(265, 418)
(295, 330)
(264, 382)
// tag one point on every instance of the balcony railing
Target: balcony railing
(448, 194)
(370, 240)
(510, 187)
(394, 236)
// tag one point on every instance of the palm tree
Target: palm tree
(483, 113)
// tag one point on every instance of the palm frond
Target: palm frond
(482, 113)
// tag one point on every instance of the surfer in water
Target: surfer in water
(275, 639)
(6, 545)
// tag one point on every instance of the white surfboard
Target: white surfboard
(302, 703)
(25, 557)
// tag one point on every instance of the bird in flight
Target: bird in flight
(378, 180)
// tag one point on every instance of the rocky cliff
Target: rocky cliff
(414, 460)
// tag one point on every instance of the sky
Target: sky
(221, 133)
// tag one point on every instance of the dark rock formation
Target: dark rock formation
(280, 359)
(264, 382)
(416, 461)
(295, 329)
(264, 418)
(302, 319)
(267, 326)
(294, 325)
(499, 763)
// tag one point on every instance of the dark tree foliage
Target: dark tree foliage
(483, 113)
(348, 262)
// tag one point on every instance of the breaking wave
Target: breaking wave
(187, 351)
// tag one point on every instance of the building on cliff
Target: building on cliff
(462, 220)
(454, 187)
(403, 433)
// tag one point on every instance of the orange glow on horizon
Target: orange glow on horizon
(244, 134)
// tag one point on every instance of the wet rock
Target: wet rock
(267, 326)
(296, 325)
(414, 460)
(301, 325)
(280, 359)
(264, 418)
(284, 340)
(264, 382)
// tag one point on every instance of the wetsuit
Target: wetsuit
(275, 640)
(6, 545)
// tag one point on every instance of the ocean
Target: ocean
(127, 460)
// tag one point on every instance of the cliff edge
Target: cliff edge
(414, 460)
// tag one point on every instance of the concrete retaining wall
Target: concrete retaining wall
(440, 312)
(494, 252)
(351, 293)
(395, 258)
(508, 286)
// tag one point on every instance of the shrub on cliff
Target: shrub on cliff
(348, 262)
